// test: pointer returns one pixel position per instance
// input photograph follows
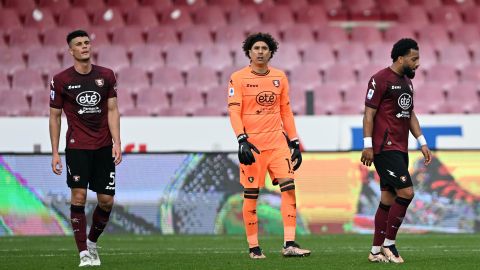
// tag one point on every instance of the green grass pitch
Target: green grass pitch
(429, 251)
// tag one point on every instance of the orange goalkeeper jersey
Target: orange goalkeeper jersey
(259, 106)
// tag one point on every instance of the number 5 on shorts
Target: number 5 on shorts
(112, 175)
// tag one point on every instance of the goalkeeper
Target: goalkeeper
(260, 113)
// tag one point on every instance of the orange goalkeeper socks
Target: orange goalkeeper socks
(250, 218)
(289, 210)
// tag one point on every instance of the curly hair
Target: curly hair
(403, 47)
(265, 37)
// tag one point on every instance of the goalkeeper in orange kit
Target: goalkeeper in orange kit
(261, 117)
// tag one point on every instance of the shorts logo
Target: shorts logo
(76, 178)
(403, 178)
(276, 83)
(88, 98)
(99, 82)
(251, 179)
(370, 93)
(231, 92)
(266, 98)
(405, 101)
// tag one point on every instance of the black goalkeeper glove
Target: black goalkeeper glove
(245, 155)
(296, 154)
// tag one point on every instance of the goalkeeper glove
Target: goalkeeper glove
(245, 155)
(296, 154)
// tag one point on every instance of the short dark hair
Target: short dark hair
(75, 34)
(403, 47)
(265, 37)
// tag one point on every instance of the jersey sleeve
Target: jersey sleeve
(375, 92)
(56, 99)
(235, 96)
(286, 110)
(112, 90)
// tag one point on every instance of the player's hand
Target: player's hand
(296, 154)
(245, 155)
(426, 154)
(57, 164)
(367, 157)
(116, 154)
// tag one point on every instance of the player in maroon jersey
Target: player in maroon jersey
(388, 119)
(87, 94)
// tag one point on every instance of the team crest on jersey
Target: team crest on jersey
(251, 179)
(99, 82)
(276, 83)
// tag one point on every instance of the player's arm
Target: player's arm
(55, 123)
(289, 124)
(417, 133)
(114, 127)
(235, 106)
(367, 153)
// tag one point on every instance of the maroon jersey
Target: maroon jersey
(83, 98)
(392, 96)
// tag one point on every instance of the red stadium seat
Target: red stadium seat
(429, 98)
(132, 78)
(279, 15)
(27, 79)
(286, 58)
(89, 6)
(335, 36)
(368, 71)
(434, 34)
(217, 57)
(24, 38)
(44, 59)
(334, 8)
(226, 74)
(362, 10)
(188, 98)
(142, 17)
(326, 99)
(182, 57)
(98, 36)
(305, 76)
(177, 17)
(158, 6)
(56, 6)
(368, 36)
(123, 5)
(74, 18)
(9, 19)
(471, 73)
(4, 83)
(190, 3)
(114, 57)
(147, 57)
(211, 16)
(224, 3)
(110, 18)
(300, 35)
(354, 54)
(210, 111)
(14, 102)
(415, 16)
(169, 78)
(320, 54)
(391, 8)
(381, 54)
(163, 36)
(467, 34)
(443, 74)
(313, 15)
(447, 16)
(128, 37)
(455, 55)
(230, 36)
(202, 79)
(11, 60)
(23, 7)
(397, 32)
(427, 4)
(125, 98)
(217, 97)
(462, 98)
(153, 99)
(246, 17)
(197, 36)
(41, 19)
(341, 75)
(472, 15)
(40, 101)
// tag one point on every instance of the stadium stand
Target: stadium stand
(196, 45)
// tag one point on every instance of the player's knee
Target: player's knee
(251, 193)
(286, 185)
(79, 197)
(406, 193)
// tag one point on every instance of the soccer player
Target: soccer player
(388, 118)
(261, 117)
(87, 94)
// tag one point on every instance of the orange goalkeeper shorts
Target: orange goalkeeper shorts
(276, 161)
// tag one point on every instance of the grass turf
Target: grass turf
(430, 251)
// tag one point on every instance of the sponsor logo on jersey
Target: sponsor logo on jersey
(405, 101)
(266, 98)
(73, 87)
(99, 82)
(370, 93)
(395, 87)
(276, 83)
(231, 92)
(252, 85)
(88, 98)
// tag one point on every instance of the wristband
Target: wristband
(367, 142)
(421, 140)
